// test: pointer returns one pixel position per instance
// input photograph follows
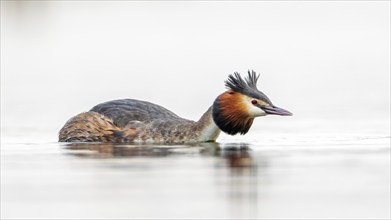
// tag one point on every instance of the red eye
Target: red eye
(254, 102)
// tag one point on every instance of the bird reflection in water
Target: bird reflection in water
(236, 155)
(233, 171)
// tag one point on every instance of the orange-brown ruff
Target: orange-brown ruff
(135, 121)
(233, 112)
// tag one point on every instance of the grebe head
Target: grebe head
(235, 109)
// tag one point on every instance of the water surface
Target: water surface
(309, 177)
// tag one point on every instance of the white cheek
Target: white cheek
(255, 111)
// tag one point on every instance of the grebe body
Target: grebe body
(135, 121)
(130, 120)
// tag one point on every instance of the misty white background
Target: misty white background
(328, 62)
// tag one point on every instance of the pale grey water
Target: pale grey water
(287, 177)
(328, 62)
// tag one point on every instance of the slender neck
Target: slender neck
(208, 130)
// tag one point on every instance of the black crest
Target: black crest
(247, 86)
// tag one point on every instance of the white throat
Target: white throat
(210, 132)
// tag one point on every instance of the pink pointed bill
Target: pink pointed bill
(274, 110)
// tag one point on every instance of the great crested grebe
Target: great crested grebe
(134, 121)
